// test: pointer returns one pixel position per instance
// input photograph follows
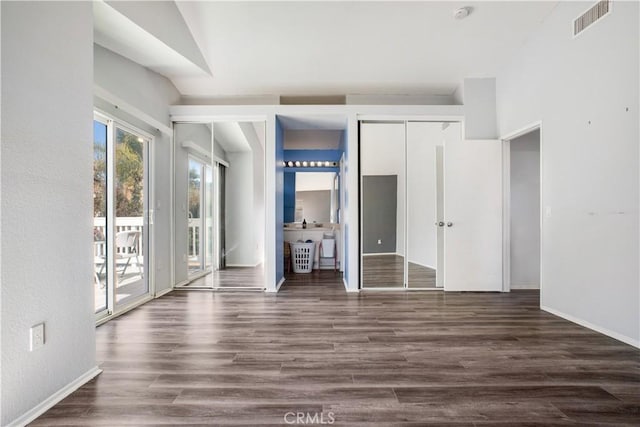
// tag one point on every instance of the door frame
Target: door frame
(506, 203)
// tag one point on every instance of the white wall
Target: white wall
(151, 94)
(479, 96)
(382, 153)
(142, 88)
(257, 151)
(585, 92)
(422, 139)
(525, 211)
(46, 185)
(312, 139)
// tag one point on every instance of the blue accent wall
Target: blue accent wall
(289, 196)
(279, 202)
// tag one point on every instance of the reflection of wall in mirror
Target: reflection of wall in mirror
(313, 205)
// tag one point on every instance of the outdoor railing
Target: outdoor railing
(136, 223)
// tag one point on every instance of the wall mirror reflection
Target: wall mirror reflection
(316, 197)
(219, 196)
(401, 167)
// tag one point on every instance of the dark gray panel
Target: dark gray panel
(379, 212)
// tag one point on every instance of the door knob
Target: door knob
(449, 224)
(440, 224)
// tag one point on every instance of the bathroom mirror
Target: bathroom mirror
(316, 197)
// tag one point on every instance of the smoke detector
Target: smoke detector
(461, 13)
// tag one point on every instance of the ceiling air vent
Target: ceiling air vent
(591, 16)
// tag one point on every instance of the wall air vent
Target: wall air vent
(591, 16)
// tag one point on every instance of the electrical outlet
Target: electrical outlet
(36, 337)
(379, 241)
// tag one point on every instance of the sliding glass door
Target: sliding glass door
(120, 225)
(131, 236)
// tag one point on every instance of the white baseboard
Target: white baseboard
(346, 287)
(625, 339)
(382, 253)
(179, 284)
(244, 265)
(56, 397)
(277, 286)
(525, 285)
(163, 292)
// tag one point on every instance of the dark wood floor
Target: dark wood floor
(387, 271)
(377, 359)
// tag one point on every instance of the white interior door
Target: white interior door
(473, 213)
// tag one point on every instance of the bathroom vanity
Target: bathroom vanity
(294, 232)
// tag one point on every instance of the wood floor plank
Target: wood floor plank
(370, 359)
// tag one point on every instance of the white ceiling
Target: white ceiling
(117, 32)
(330, 48)
(333, 48)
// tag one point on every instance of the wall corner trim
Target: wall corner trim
(625, 339)
(56, 397)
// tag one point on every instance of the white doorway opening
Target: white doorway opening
(522, 210)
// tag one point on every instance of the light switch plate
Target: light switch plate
(36, 337)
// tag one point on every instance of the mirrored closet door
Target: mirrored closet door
(382, 204)
(219, 205)
(401, 204)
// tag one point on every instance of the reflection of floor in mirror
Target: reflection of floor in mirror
(382, 271)
(232, 277)
(421, 276)
(387, 271)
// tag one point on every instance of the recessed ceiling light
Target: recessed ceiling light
(461, 13)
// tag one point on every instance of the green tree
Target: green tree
(129, 175)
(99, 180)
